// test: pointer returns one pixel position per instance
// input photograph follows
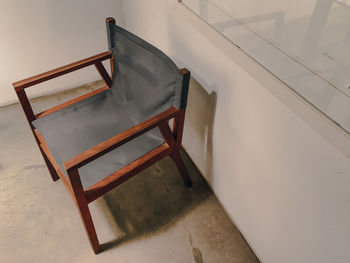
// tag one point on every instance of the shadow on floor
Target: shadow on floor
(153, 200)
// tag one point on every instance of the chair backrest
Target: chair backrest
(144, 76)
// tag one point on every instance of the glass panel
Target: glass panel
(306, 44)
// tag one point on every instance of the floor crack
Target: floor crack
(196, 252)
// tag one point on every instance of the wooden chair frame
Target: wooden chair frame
(82, 197)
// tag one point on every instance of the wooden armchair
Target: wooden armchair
(99, 140)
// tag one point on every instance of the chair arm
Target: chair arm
(25, 83)
(116, 141)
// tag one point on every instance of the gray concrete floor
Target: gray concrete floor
(150, 218)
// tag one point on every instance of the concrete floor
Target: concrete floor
(150, 218)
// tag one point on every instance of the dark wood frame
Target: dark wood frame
(82, 197)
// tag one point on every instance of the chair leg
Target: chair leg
(86, 218)
(51, 169)
(83, 207)
(175, 155)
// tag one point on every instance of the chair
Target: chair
(99, 140)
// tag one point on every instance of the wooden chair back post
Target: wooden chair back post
(179, 120)
(110, 21)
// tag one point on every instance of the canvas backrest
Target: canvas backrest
(144, 76)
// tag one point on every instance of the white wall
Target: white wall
(282, 179)
(39, 35)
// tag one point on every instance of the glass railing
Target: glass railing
(306, 44)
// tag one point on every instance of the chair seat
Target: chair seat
(78, 127)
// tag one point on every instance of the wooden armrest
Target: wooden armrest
(112, 143)
(25, 83)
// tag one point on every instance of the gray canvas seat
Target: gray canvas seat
(145, 83)
(79, 127)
